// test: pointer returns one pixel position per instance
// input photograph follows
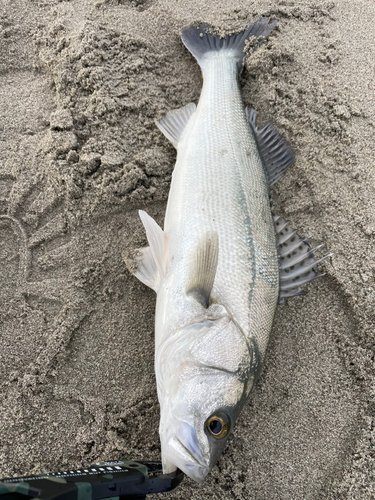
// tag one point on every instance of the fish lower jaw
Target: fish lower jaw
(176, 455)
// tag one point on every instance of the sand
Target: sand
(81, 83)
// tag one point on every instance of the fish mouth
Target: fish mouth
(184, 459)
(187, 452)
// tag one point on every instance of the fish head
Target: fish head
(205, 373)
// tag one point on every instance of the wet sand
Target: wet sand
(81, 83)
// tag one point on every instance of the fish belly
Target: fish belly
(219, 184)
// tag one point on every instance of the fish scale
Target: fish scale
(215, 267)
(219, 184)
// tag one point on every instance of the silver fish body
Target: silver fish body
(219, 184)
(215, 266)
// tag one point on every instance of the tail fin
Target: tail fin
(199, 41)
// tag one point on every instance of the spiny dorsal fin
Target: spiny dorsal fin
(174, 122)
(154, 258)
(296, 260)
(203, 266)
(276, 152)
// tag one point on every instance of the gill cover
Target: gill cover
(205, 373)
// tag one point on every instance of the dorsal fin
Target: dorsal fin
(174, 122)
(296, 260)
(276, 152)
(203, 264)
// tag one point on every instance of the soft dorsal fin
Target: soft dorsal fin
(203, 265)
(276, 152)
(296, 260)
(153, 258)
(174, 122)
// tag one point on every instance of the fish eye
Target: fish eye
(218, 425)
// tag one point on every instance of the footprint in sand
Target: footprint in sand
(36, 322)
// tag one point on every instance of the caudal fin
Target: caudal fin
(199, 41)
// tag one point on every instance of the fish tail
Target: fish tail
(199, 41)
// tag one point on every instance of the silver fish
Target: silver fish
(223, 260)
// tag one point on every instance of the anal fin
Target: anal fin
(174, 122)
(296, 260)
(276, 152)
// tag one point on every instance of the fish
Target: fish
(223, 260)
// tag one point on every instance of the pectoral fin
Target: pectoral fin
(203, 265)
